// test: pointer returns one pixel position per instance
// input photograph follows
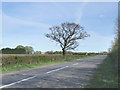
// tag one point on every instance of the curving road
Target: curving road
(65, 75)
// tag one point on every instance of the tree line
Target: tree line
(76, 53)
(29, 50)
(18, 50)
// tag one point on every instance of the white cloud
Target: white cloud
(79, 13)
(11, 22)
(101, 16)
(96, 42)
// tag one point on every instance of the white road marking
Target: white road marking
(24, 74)
(75, 64)
(56, 69)
(17, 82)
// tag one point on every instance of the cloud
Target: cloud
(79, 12)
(96, 42)
(101, 16)
(10, 23)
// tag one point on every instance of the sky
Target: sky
(26, 23)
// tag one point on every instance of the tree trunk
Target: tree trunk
(63, 51)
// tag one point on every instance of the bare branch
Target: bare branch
(67, 35)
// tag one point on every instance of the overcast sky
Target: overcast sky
(26, 23)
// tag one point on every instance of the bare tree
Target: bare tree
(67, 35)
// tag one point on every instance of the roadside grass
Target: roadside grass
(8, 69)
(106, 76)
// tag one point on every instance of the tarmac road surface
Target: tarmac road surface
(65, 75)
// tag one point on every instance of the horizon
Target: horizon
(25, 23)
(61, 50)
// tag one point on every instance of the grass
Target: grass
(106, 76)
(8, 69)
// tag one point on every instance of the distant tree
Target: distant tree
(29, 49)
(0, 51)
(49, 52)
(38, 52)
(18, 50)
(105, 53)
(6, 49)
(13, 51)
(67, 35)
(20, 47)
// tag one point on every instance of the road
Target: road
(65, 75)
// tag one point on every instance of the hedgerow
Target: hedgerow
(22, 60)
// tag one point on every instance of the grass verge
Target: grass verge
(106, 76)
(8, 69)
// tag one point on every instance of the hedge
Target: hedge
(22, 60)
